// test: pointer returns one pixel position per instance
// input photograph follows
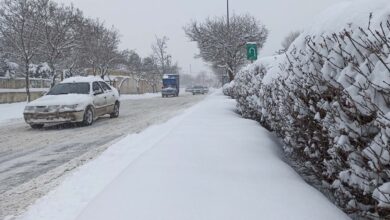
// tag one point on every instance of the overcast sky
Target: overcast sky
(139, 21)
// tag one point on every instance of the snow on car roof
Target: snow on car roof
(82, 79)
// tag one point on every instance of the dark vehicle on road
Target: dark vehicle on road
(171, 85)
(198, 90)
(189, 89)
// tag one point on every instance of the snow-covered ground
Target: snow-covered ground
(11, 111)
(148, 95)
(141, 96)
(208, 163)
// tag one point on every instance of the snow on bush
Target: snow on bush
(227, 89)
(8, 69)
(41, 70)
(328, 97)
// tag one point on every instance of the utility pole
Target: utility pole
(228, 18)
(228, 31)
(222, 78)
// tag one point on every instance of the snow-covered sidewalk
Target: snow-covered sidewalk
(208, 163)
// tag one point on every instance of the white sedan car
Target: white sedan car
(76, 100)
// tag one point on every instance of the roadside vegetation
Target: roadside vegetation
(221, 41)
(328, 98)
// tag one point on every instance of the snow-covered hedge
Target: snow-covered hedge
(328, 97)
(228, 89)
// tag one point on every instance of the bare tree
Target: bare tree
(76, 60)
(60, 26)
(133, 63)
(223, 45)
(100, 46)
(153, 75)
(161, 55)
(109, 55)
(150, 69)
(20, 29)
(162, 62)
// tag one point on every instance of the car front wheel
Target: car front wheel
(88, 117)
(36, 126)
(115, 113)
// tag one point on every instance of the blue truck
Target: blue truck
(171, 85)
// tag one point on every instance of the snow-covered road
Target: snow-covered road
(34, 161)
(206, 164)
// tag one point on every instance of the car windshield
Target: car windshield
(169, 83)
(70, 88)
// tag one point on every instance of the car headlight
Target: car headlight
(53, 108)
(29, 108)
(69, 107)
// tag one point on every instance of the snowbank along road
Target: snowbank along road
(33, 161)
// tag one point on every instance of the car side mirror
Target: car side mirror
(97, 93)
(43, 93)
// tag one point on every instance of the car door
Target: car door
(110, 97)
(99, 99)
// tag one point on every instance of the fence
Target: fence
(11, 90)
(20, 83)
(129, 86)
(12, 97)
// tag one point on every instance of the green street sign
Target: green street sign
(251, 51)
